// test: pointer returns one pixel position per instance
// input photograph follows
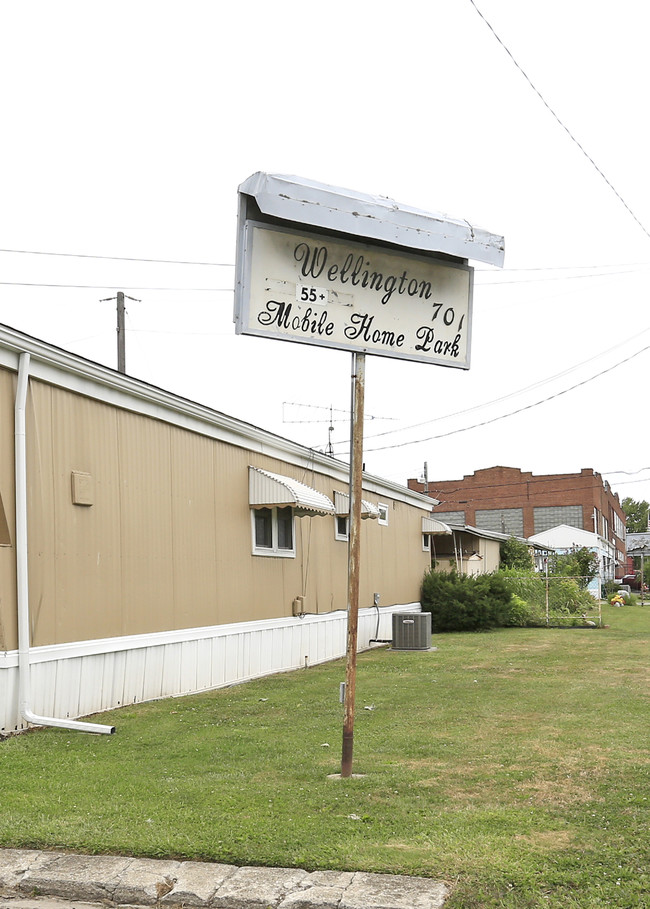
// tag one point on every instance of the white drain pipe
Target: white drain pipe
(22, 568)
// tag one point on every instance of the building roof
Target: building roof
(564, 536)
(64, 369)
(494, 535)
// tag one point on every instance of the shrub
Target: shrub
(609, 589)
(566, 597)
(509, 597)
(514, 553)
(523, 614)
(581, 564)
(528, 585)
(465, 603)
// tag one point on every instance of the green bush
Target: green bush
(566, 597)
(528, 585)
(514, 553)
(509, 597)
(465, 603)
(523, 614)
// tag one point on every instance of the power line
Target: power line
(115, 287)
(629, 473)
(607, 274)
(539, 384)
(590, 481)
(560, 123)
(451, 499)
(512, 413)
(35, 252)
(451, 496)
(629, 266)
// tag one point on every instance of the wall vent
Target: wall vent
(412, 631)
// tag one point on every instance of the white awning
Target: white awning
(268, 490)
(431, 525)
(342, 506)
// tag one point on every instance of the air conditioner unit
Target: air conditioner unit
(411, 631)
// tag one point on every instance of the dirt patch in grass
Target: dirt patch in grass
(526, 648)
(547, 840)
(552, 793)
(423, 764)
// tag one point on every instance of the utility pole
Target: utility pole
(121, 340)
(121, 332)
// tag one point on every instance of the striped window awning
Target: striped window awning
(431, 525)
(342, 506)
(269, 490)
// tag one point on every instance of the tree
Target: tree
(581, 564)
(515, 554)
(636, 514)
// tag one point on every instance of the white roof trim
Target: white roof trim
(431, 525)
(266, 490)
(342, 506)
(63, 369)
(370, 217)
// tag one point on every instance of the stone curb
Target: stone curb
(121, 881)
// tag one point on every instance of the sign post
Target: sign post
(321, 265)
(354, 552)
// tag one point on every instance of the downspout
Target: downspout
(22, 587)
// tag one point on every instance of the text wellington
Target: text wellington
(342, 294)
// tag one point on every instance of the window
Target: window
(451, 517)
(550, 516)
(342, 527)
(273, 532)
(383, 513)
(501, 520)
(426, 542)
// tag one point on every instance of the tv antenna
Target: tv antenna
(331, 420)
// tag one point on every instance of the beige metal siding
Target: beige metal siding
(8, 620)
(166, 543)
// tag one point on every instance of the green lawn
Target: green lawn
(513, 764)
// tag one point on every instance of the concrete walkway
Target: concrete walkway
(30, 877)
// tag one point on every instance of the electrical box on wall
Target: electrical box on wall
(83, 488)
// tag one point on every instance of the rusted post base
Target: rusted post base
(346, 754)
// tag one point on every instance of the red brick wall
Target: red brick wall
(509, 487)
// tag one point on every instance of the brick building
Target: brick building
(509, 500)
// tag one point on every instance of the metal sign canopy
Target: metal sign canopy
(369, 217)
(317, 264)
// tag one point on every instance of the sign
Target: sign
(334, 292)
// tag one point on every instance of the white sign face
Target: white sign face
(337, 293)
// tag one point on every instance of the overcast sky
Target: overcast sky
(128, 126)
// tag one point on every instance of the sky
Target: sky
(127, 128)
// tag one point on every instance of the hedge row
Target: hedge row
(506, 598)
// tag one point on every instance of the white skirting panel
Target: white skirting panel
(78, 679)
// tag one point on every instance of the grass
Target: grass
(513, 764)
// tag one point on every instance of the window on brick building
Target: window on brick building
(501, 520)
(553, 515)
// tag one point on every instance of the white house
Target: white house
(564, 539)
